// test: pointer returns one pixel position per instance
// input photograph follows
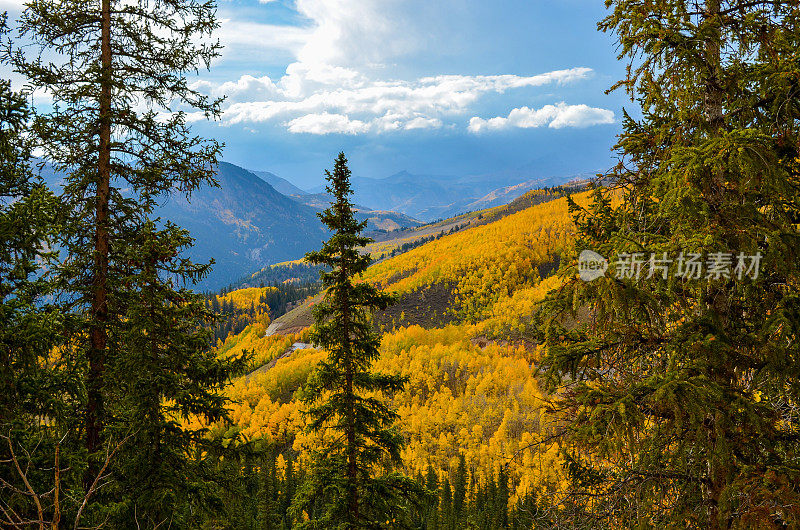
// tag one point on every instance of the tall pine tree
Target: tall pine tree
(347, 477)
(683, 388)
(117, 74)
(460, 489)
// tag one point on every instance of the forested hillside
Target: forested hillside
(460, 331)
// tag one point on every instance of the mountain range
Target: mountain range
(430, 197)
(256, 218)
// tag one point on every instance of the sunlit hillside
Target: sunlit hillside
(473, 390)
(482, 265)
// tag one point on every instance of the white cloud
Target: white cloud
(12, 5)
(423, 123)
(555, 116)
(326, 123)
(385, 105)
(358, 33)
(246, 88)
(337, 84)
(247, 40)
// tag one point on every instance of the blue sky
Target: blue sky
(432, 87)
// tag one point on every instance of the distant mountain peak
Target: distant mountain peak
(399, 174)
(279, 183)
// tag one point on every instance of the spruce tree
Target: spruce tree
(501, 502)
(460, 489)
(682, 390)
(164, 372)
(489, 514)
(268, 493)
(446, 505)
(431, 511)
(117, 74)
(347, 476)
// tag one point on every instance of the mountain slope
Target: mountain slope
(279, 183)
(245, 224)
(497, 197)
(472, 387)
(385, 220)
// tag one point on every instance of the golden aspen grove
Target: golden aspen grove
(473, 390)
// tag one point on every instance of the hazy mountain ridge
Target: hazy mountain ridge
(376, 219)
(246, 223)
(279, 183)
(429, 197)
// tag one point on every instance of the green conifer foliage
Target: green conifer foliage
(28, 325)
(164, 372)
(460, 489)
(431, 511)
(684, 390)
(116, 71)
(347, 479)
(268, 495)
(34, 383)
(446, 506)
(501, 502)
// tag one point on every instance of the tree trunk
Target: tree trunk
(717, 297)
(99, 301)
(352, 463)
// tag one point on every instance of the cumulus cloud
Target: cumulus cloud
(555, 116)
(337, 83)
(381, 105)
(326, 123)
(245, 40)
(423, 123)
(358, 33)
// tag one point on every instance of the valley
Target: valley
(460, 329)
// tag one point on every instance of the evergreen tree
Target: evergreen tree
(289, 489)
(116, 71)
(489, 514)
(28, 324)
(446, 514)
(480, 501)
(359, 439)
(268, 495)
(501, 502)
(682, 389)
(431, 512)
(35, 382)
(165, 371)
(460, 488)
